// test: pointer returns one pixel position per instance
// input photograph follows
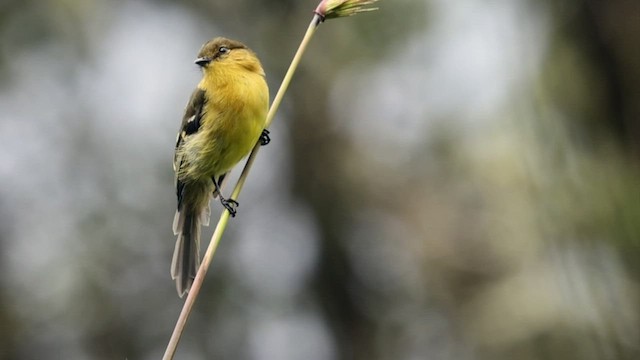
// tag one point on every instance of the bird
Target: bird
(223, 120)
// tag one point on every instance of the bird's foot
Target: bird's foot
(230, 205)
(264, 137)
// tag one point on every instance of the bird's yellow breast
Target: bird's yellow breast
(233, 118)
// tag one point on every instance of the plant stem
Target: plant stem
(292, 68)
(224, 217)
(276, 102)
(195, 287)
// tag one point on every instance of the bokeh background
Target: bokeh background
(447, 180)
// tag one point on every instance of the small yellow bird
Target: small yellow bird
(224, 119)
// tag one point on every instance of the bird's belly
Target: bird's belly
(235, 144)
(223, 145)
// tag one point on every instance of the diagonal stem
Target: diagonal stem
(277, 100)
(292, 68)
(224, 217)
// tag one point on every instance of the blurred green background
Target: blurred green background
(447, 180)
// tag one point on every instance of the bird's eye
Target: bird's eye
(223, 49)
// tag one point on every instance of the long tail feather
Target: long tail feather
(186, 257)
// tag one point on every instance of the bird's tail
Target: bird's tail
(186, 256)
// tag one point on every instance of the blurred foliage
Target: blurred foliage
(448, 180)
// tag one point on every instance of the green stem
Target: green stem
(277, 100)
(292, 68)
(224, 217)
(195, 287)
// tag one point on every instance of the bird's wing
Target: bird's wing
(190, 125)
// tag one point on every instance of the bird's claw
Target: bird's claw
(230, 205)
(264, 137)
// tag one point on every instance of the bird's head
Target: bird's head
(222, 52)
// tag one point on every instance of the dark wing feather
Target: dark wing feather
(190, 125)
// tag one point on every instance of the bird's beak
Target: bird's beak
(203, 61)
